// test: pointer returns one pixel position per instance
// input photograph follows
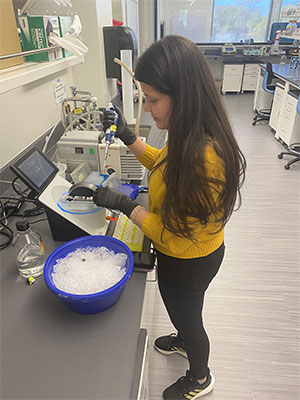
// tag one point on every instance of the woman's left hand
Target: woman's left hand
(113, 199)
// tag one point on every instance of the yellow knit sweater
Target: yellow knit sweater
(172, 245)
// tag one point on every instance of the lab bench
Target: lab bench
(284, 119)
(51, 352)
(218, 61)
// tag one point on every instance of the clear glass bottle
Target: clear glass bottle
(29, 248)
(283, 60)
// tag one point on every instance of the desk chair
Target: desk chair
(266, 84)
(294, 148)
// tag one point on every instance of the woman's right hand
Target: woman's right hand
(123, 132)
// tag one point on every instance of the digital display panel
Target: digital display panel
(35, 170)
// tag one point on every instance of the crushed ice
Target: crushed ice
(89, 270)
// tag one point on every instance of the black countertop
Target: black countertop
(49, 351)
(286, 73)
(292, 75)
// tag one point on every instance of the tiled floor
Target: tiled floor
(252, 306)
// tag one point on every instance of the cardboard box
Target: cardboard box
(9, 38)
(35, 31)
(65, 23)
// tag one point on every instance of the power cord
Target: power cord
(13, 203)
(4, 229)
(13, 184)
(9, 206)
(33, 212)
(39, 220)
(9, 235)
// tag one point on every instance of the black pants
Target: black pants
(182, 284)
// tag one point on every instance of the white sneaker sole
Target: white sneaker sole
(168, 353)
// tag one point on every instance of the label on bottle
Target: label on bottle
(42, 246)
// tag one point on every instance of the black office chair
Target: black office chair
(264, 115)
(294, 148)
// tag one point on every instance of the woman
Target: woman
(194, 185)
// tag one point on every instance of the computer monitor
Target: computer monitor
(35, 170)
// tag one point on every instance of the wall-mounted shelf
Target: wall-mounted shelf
(13, 77)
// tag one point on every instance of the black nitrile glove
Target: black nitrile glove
(113, 199)
(123, 132)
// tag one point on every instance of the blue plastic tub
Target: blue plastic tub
(95, 302)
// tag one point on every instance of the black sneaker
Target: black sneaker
(187, 387)
(170, 344)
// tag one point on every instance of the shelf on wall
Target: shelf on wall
(13, 77)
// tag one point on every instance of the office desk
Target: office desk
(51, 352)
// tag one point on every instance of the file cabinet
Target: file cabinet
(289, 120)
(262, 99)
(250, 77)
(232, 78)
(278, 100)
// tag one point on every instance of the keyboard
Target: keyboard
(129, 233)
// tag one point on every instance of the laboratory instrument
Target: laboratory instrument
(276, 51)
(40, 175)
(247, 52)
(82, 189)
(252, 52)
(72, 220)
(228, 49)
(110, 132)
(76, 148)
(80, 111)
(29, 249)
(35, 170)
(79, 198)
(291, 27)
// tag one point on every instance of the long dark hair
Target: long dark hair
(175, 66)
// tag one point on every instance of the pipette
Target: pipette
(111, 131)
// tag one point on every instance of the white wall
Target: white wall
(91, 75)
(118, 10)
(132, 18)
(146, 24)
(27, 112)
